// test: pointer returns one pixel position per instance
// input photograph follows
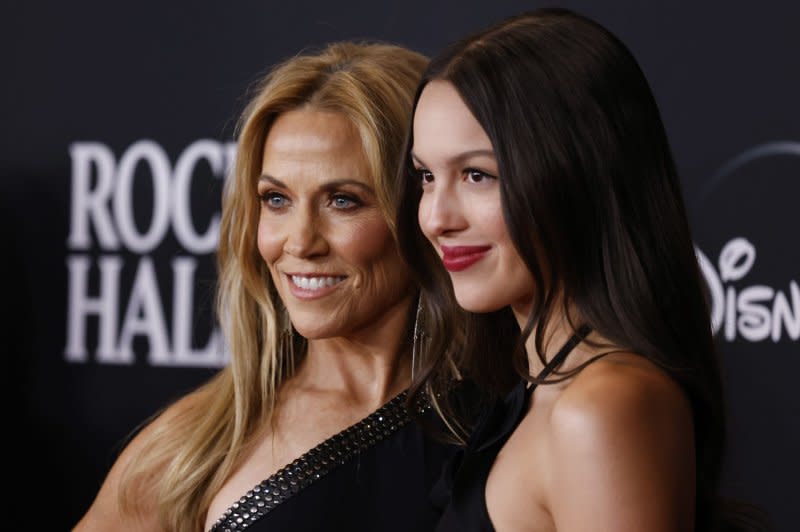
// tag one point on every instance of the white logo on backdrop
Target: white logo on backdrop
(102, 199)
(756, 312)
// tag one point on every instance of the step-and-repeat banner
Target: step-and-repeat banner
(117, 135)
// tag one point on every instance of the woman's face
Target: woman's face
(329, 250)
(460, 210)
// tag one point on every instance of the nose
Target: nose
(440, 212)
(304, 238)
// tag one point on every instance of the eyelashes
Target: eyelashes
(469, 174)
(273, 200)
(277, 201)
(345, 201)
(476, 176)
(423, 175)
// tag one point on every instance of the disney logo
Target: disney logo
(756, 312)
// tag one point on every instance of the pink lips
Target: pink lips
(458, 258)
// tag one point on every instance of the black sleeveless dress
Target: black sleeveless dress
(374, 476)
(461, 491)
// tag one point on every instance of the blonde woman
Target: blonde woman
(307, 428)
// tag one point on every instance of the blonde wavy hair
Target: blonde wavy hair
(185, 460)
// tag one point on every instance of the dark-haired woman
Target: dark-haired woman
(539, 175)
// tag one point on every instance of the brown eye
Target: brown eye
(477, 176)
(425, 176)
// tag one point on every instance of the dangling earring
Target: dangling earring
(287, 337)
(417, 337)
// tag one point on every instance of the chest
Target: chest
(374, 476)
(274, 448)
(517, 481)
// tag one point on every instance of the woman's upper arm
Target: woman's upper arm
(622, 455)
(105, 512)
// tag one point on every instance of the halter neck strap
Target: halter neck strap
(576, 338)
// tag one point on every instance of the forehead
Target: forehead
(442, 120)
(305, 141)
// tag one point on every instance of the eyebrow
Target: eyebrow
(462, 156)
(329, 185)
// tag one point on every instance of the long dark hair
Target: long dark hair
(593, 204)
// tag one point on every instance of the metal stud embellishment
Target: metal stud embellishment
(315, 464)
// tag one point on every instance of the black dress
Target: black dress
(461, 490)
(376, 475)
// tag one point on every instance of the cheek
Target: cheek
(494, 224)
(423, 215)
(485, 216)
(269, 241)
(495, 229)
(515, 272)
(364, 243)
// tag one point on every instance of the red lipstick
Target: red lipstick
(458, 258)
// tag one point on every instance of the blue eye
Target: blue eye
(274, 200)
(341, 201)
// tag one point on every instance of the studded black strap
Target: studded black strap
(315, 464)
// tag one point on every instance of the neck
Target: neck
(369, 366)
(557, 333)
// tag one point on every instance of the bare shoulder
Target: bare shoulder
(622, 445)
(105, 512)
(620, 393)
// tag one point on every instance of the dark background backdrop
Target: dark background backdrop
(725, 75)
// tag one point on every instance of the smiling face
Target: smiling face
(460, 211)
(321, 232)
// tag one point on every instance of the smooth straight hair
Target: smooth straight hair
(593, 204)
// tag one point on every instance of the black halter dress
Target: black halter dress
(461, 489)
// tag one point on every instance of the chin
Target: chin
(314, 325)
(316, 332)
(478, 301)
